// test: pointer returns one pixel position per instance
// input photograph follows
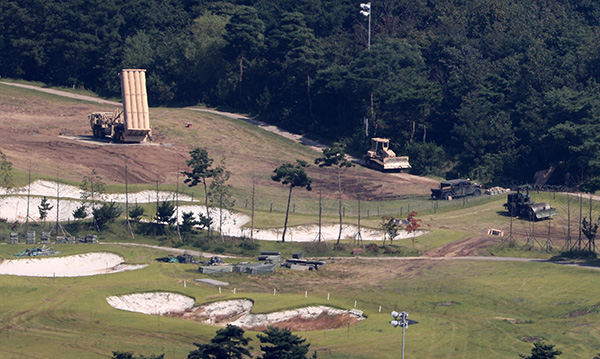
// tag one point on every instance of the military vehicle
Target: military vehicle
(133, 123)
(519, 204)
(456, 188)
(381, 158)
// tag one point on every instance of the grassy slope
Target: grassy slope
(455, 302)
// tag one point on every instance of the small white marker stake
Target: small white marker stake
(305, 294)
(234, 289)
(219, 290)
(327, 296)
(354, 304)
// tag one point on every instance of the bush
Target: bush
(372, 247)
(314, 248)
(391, 250)
(248, 246)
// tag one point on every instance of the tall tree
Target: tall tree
(335, 157)
(293, 176)
(92, 187)
(228, 343)
(200, 165)
(219, 193)
(282, 344)
(245, 38)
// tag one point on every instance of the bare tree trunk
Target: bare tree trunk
(206, 205)
(287, 212)
(412, 132)
(241, 74)
(310, 105)
(340, 206)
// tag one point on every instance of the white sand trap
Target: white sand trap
(14, 208)
(235, 312)
(70, 266)
(152, 303)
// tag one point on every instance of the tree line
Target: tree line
(230, 343)
(492, 90)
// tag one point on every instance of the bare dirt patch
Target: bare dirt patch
(44, 133)
(471, 246)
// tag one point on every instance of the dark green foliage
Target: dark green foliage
(187, 222)
(80, 212)
(497, 90)
(107, 213)
(136, 213)
(282, 344)
(128, 355)
(165, 213)
(541, 350)
(44, 208)
(228, 343)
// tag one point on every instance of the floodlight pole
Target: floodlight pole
(401, 319)
(366, 11)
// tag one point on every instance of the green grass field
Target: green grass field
(465, 308)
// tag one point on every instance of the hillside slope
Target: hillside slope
(50, 134)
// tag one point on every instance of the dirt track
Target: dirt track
(53, 138)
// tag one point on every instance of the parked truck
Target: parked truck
(456, 188)
(132, 124)
(381, 158)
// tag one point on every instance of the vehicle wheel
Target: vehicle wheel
(477, 192)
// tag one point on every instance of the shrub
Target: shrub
(372, 247)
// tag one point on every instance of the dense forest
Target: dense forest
(488, 89)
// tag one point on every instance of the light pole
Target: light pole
(401, 320)
(366, 10)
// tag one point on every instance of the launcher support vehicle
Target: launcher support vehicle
(133, 123)
(457, 188)
(520, 205)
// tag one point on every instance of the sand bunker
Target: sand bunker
(14, 208)
(152, 303)
(70, 266)
(236, 312)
